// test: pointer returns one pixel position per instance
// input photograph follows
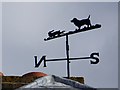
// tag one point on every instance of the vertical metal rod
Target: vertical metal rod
(67, 53)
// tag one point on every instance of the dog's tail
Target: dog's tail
(88, 16)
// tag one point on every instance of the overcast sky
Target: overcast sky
(25, 25)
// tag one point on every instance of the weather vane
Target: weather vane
(86, 26)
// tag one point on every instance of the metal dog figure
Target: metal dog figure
(82, 22)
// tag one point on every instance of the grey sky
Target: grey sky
(25, 25)
(1, 36)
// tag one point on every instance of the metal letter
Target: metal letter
(96, 58)
(37, 64)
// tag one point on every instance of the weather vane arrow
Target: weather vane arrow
(94, 57)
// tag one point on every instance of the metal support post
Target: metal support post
(67, 53)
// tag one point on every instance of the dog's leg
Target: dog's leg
(90, 24)
(79, 27)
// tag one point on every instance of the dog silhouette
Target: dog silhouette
(82, 22)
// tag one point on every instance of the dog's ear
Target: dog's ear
(74, 19)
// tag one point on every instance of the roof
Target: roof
(1, 74)
(34, 74)
(54, 82)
